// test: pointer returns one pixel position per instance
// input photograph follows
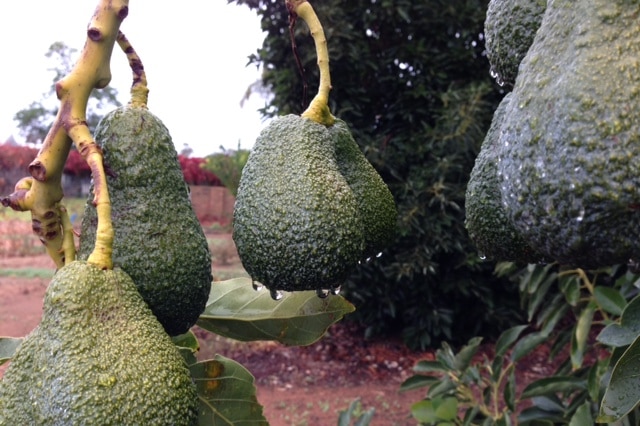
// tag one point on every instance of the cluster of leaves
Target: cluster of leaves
(227, 165)
(567, 309)
(195, 174)
(412, 81)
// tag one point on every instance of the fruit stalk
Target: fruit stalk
(318, 109)
(42, 192)
(139, 88)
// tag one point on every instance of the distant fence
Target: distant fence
(211, 203)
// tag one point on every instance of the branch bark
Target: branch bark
(41, 194)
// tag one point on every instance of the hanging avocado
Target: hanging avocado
(570, 144)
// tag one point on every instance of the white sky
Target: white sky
(194, 53)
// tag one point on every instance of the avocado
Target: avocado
(158, 239)
(509, 29)
(99, 356)
(376, 205)
(570, 141)
(486, 221)
(296, 221)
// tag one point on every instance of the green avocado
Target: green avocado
(158, 239)
(509, 29)
(570, 141)
(376, 205)
(486, 221)
(296, 221)
(99, 356)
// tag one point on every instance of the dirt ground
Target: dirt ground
(297, 386)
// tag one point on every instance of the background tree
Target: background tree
(412, 81)
(34, 121)
(227, 165)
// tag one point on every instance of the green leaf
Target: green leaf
(552, 385)
(435, 410)
(570, 287)
(507, 338)
(622, 393)
(187, 340)
(582, 416)
(610, 300)
(227, 393)
(527, 344)
(464, 357)
(581, 335)
(510, 391)
(446, 408)
(8, 347)
(424, 412)
(237, 311)
(623, 334)
(429, 367)
(417, 382)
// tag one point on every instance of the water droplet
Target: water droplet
(580, 216)
(256, 285)
(379, 254)
(335, 290)
(368, 259)
(322, 293)
(276, 294)
(482, 256)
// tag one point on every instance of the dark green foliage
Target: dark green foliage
(411, 80)
(227, 166)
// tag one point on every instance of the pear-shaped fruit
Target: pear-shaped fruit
(486, 221)
(376, 205)
(509, 29)
(570, 141)
(158, 239)
(99, 356)
(296, 221)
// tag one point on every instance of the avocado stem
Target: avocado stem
(139, 88)
(42, 192)
(318, 109)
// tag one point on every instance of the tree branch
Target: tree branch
(41, 194)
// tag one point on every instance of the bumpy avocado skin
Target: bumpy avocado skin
(99, 356)
(509, 29)
(571, 138)
(486, 221)
(375, 202)
(158, 239)
(296, 223)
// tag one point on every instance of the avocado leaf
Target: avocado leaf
(227, 393)
(237, 311)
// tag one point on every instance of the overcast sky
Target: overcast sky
(194, 52)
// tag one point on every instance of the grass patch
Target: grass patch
(27, 273)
